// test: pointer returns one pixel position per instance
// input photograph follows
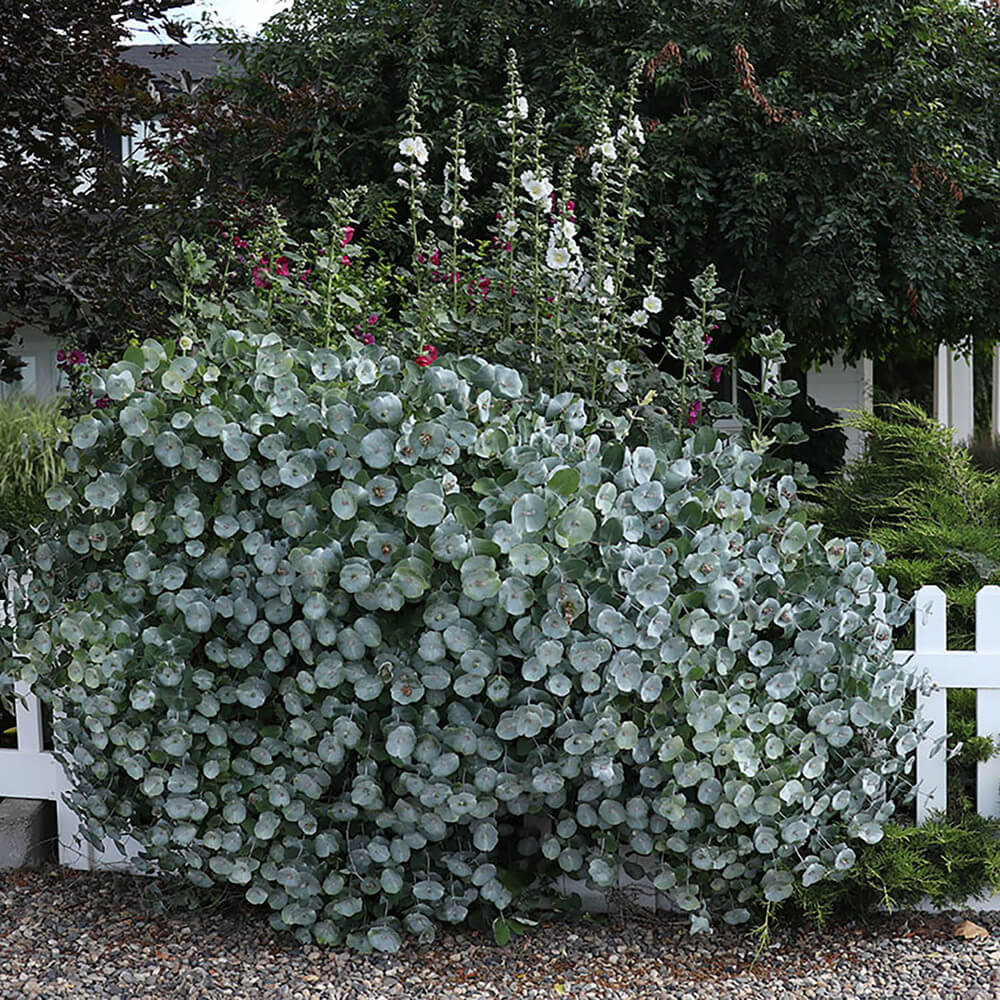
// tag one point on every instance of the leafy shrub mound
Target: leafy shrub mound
(331, 625)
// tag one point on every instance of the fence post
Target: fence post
(931, 637)
(28, 715)
(988, 701)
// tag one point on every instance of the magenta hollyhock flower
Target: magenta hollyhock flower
(429, 356)
(421, 258)
(436, 258)
(693, 412)
(717, 373)
(707, 339)
(77, 357)
(281, 266)
(60, 355)
(373, 319)
(258, 277)
(240, 243)
(345, 260)
(103, 402)
(348, 236)
(367, 338)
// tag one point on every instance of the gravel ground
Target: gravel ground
(88, 936)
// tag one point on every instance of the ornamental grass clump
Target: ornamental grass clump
(329, 626)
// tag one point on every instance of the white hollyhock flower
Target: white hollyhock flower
(609, 285)
(464, 172)
(638, 318)
(608, 150)
(510, 228)
(415, 148)
(557, 258)
(652, 304)
(522, 108)
(538, 188)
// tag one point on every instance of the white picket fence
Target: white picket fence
(33, 773)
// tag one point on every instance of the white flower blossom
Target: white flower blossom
(538, 188)
(608, 150)
(638, 318)
(603, 301)
(522, 108)
(185, 343)
(638, 130)
(464, 172)
(415, 148)
(456, 222)
(557, 258)
(609, 285)
(510, 228)
(595, 170)
(652, 304)
(398, 168)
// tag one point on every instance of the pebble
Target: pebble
(90, 936)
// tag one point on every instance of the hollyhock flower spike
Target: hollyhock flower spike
(693, 412)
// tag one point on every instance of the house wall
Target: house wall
(40, 377)
(844, 389)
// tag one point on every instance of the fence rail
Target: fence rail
(32, 772)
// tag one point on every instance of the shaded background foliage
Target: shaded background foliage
(837, 160)
(76, 255)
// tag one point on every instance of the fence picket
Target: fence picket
(988, 700)
(932, 637)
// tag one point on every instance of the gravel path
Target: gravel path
(87, 936)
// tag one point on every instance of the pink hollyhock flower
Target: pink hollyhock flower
(345, 260)
(506, 248)
(77, 357)
(707, 339)
(429, 356)
(60, 355)
(348, 236)
(570, 206)
(281, 267)
(239, 243)
(717, 373)
(373, 319)
(693, 412)
(367, 338)
(436, 258)
(258, 277)
(421, 258)
(484, 287)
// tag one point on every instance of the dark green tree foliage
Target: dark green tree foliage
(837, 160)
(67, 214)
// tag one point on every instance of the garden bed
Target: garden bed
(67, 934)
